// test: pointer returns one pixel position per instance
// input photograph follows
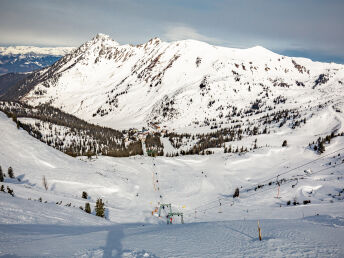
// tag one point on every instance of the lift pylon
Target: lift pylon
(162, 207)
(171, 214)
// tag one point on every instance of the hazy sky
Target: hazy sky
(311, 28)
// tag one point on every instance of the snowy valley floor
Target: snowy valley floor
(216, 225)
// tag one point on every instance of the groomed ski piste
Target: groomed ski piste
(201, 187)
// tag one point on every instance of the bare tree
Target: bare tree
(45, 183)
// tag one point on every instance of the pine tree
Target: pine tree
(84, 195)
(87, 207)
(1, 175)
(10, 172)
(100, 210)
(284, 144)
(10, 191)
(321, 147)
(236, 193)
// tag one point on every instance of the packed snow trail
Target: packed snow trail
(73, 233)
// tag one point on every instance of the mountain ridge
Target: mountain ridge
(181, 84)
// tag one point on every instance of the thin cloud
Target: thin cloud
(181, 32)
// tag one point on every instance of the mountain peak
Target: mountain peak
(259, 50)
(154, 40)
(100, 37)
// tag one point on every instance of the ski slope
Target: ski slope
(65, 233)
(199, 186)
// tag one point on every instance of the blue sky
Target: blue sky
(310, 28)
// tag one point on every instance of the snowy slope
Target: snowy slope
(181, 85)
(133, 186)
(63, 236)
(199, 186)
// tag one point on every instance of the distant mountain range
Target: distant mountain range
(23, 59)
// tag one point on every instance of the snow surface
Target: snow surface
(195, 185)
(319, 236)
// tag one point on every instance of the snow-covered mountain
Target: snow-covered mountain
(274, 127)
(23, 59)
(23, 50)
(180, 85)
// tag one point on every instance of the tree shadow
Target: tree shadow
(19, 180)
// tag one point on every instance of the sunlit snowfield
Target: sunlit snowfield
(199, 186)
